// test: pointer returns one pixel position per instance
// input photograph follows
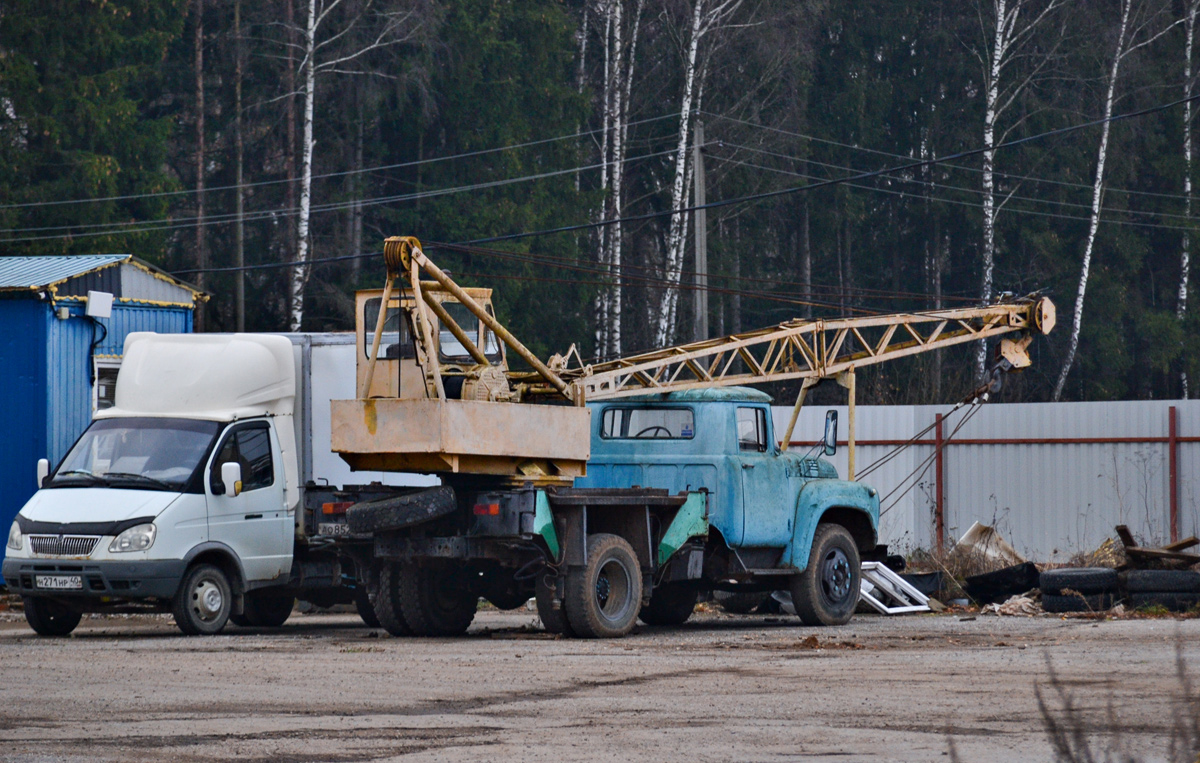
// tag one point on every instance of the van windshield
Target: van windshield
(138, 453)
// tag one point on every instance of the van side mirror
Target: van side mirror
(831, 432)
(43, 471)
(231, 477)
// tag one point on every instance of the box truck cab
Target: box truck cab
(183, 496)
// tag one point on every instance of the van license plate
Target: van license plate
(333, 529)
(59, 582)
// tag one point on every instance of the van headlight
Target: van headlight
(14, 537)
(137, 538)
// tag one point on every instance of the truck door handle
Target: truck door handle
(254, 516)
(747, 466)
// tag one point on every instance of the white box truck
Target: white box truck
(201, 492)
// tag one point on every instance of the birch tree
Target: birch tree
(1142, 22)
(1185, 252)
(707, 17)
(1012, 62)
(329, 26)
(620, 59)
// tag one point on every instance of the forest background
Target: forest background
(548, 148)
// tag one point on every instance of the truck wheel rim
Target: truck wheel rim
(207, 600)
(836, 576)
(613, 584)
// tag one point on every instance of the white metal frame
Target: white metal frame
(880, 586)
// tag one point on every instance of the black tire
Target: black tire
(1162, 581)
(389, 611)
(240, 620)
(365, 607)
(670, 604)
(553, 620)
(400, 511)
(435, 601)
(48, 617)
(740, 603)
(1000, 584)
(602, 599)
(203, 602)
(826, 593)
(1175, 602)
(1085, 580)
(268, 609)
(1096, 602)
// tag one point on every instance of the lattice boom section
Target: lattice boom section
(798, 349)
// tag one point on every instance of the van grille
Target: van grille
(63, 545)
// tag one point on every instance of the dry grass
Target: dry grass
(1076, 736)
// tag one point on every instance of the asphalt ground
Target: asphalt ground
(719, 688)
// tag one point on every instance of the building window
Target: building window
(104, 392)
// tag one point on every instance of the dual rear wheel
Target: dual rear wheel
(421, 600)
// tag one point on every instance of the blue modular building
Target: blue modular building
(58, 364)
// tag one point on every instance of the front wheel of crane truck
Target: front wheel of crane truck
(826, 593)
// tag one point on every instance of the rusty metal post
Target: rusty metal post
(1173, 468)
(787, 437)
(939, 506)
(846, 379)
(383, 308)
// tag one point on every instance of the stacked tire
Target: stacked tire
(1174, 590)
(1079, 589)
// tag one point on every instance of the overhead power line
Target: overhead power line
(913, 165)
(363, 170)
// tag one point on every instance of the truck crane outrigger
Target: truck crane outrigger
(618, 489)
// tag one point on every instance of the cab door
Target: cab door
(255, 523)
(768, 506)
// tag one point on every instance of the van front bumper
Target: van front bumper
(125, 580)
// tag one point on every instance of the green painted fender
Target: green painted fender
(690, 521)
(543, 523)
(816, 498)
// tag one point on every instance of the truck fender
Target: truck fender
(821, 499)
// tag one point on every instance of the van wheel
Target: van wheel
(268, 609)
(48, 617)
(602, 600)
(203, 601)
(826, 593)
(670, 604)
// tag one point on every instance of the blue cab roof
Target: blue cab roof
(705, 395)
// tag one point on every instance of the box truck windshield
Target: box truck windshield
(138, 453)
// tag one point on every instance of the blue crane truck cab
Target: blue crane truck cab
(776, 520)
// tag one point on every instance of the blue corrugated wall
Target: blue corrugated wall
(22, 401)
(46, 400)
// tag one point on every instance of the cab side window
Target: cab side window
(752, 429)
(250, 447)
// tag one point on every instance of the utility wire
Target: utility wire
(971, 204)
(167, 224)
(844, 180)
(964, 167)
(364, 170)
